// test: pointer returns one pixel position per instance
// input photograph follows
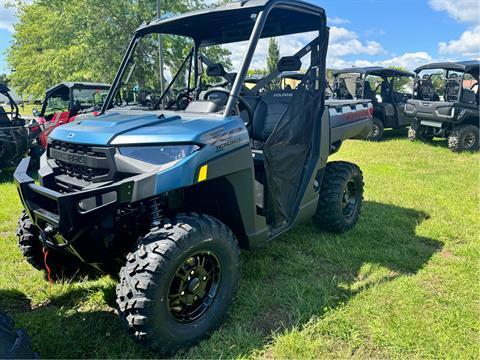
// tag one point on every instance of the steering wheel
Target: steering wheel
(55, 109)
(476, 84)
(183, 94)
(242, 102)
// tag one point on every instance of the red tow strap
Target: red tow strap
(49, 277)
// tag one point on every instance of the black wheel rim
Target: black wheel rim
(349, 201)
(194, 286)
(469, 140)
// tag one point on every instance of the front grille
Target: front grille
(77, 149)
(81, 172)
(80, 165)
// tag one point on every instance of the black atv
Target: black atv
(165, 193)
(16, 137)
(388, 89)
(445, 104)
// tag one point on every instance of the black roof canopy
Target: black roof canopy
(373, 70)
(233, 22)
(4, 88)
(79, 85)
(470, 66)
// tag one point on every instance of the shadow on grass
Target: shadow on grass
(391, 134)
(304, 274)
(6, 175)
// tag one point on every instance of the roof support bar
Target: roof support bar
(252, 45)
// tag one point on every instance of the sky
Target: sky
(404, 33)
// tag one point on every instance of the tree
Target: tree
(84, 40)
(404, 83)
(4, 79)
(273, 55)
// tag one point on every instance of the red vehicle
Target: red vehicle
(65, 101)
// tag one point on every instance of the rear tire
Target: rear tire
(464, 138)
(377, 130)
(418, 133)
(14, 343)
(61, 265)
(341, 196)
(166, 298)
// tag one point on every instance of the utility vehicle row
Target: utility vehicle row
(162, 190)
(437, 100)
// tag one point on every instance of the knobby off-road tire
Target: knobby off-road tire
(14, 343)
(464, 138)
(341, 196)
(418, 133)
(61, 265)
(377, 130)
(149, 296)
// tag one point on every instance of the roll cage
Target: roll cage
(229, 23)
(361, 91)
(453, 88)
(66, 89)
(14, 112)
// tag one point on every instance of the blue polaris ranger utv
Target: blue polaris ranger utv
(166, 188)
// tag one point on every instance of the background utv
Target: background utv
(388, 89)
(169, 195)
(445, 104)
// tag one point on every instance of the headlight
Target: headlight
(158, 154)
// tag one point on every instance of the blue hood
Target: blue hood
(125, 127)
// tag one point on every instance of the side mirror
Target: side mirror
(35, 112)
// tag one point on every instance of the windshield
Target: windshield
(83, 100)
(89, 98)
(213, 60)
(141, 81)
(59, 101)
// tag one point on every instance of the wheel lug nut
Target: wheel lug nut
(192, 272)
(182, 293)
(195, 297)
(188, 278)
(204, 278)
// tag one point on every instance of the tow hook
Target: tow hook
(48, 231)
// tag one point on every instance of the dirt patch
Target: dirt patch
(271, 321)
(448, 255)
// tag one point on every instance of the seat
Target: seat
(368, 92)
(452, 89)
(385, 92)
(425, 89)
(4, 119)
(342, 90)
(268, 112)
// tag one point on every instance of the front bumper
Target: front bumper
(64, 212)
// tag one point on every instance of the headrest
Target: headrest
(289, 63)
(277, 96)
(216, 69)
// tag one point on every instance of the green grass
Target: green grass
(403, 283)
(28, 108)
